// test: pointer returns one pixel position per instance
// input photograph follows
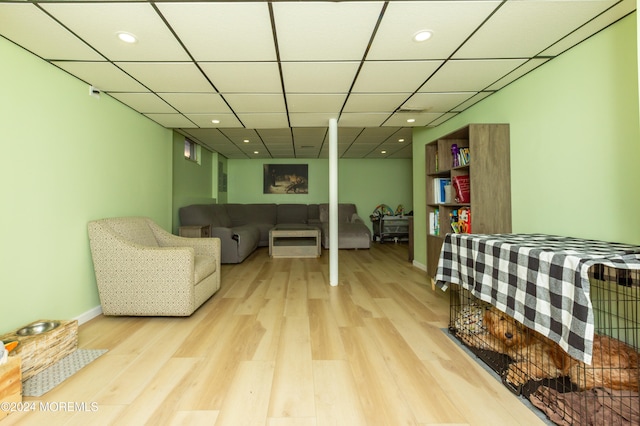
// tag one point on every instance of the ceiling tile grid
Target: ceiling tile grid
(261, 79)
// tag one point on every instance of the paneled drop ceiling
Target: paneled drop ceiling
(261, 79)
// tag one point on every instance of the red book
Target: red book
(461, 185)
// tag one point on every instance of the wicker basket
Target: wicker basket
(40, 351)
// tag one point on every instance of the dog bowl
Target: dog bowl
(38, 328)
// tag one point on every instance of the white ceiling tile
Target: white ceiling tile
(611, 15)
(514, 31)
(276, 136)
(204, 120)
(168, 76)
(356, 119)
(217, 60)
(408, 76)
(222, 31)
(472, 100)
(208, 136)
(346, 135)
(196, 102)
(307, 119)
(320, 102)
(421, 119)
(436, 102)
(321, 77)
(257, 102)
(264, 120)
(316, 31)
(99, 23)
(469, 76)
(517, 73)
(374, 102)
(406, 152)
(243, 77)
(442, 119)
(375, 135)
(171, 120)
(59, 43)
(450, 21)
(309, 136)
(238, 136)
(144, 102)
(103, 75)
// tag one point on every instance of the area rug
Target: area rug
(495, 375)
(52, 376)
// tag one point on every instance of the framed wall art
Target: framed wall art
(286, 179)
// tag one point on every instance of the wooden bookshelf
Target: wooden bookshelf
(490, 183)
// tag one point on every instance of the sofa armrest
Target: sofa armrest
(223, 233)
(355, 218)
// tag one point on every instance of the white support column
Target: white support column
(333, 202)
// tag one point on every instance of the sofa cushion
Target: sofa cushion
(204, 214)
(292, 213)
(196, 214)
(345, 212)
(350, 236)
(242, 214)
(220, 216)
(313, 213)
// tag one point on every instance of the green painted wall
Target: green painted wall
(67, 158)
(366, 183)
(575, 142)
(194, 182)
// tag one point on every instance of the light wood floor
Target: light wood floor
(278, 346)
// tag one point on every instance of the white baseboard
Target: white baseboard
(420, 265)
(89, 315)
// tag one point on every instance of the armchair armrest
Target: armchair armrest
(140, 269)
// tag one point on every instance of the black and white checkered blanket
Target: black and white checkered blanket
(540, 280)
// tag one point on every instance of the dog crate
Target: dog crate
(569, 392)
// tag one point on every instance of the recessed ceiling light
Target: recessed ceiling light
(411, 120)
(383, 152)
(400, 140)
(246, 141)
(422, 35)
(126, 37)
(256, 152)
(215, 121)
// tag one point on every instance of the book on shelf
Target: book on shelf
(439, 190)
(460, 155)
(460, 220)
(463, 156)
(461, 186)
(434, 223)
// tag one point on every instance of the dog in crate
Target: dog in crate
(469, 328)
(615, 365)
(535, 357)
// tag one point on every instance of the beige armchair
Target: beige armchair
(143, 270)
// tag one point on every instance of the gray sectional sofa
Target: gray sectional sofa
(244, 227)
